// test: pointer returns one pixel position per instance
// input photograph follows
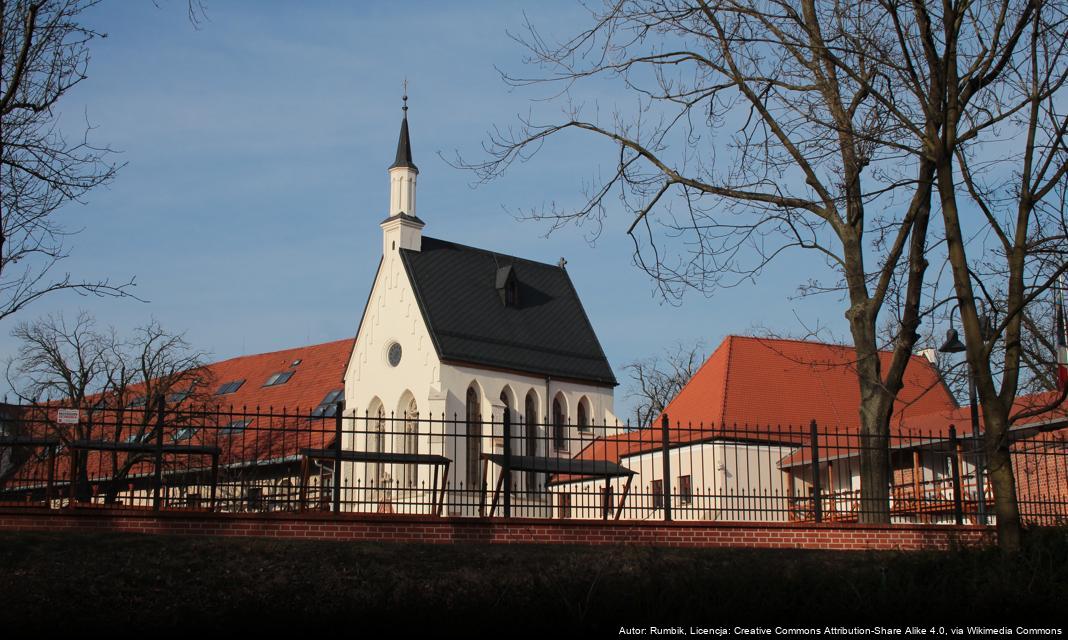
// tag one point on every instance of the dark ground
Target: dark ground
(78, 582)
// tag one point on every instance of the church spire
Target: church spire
(404, 146)
(402, 229)
(403, 172)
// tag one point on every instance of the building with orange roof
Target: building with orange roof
(256, 413)
(740, 432)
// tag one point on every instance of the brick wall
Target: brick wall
(497, 531)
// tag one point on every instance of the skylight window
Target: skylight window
(328, 407)
(295, 362)
(230, 387)
(278, 378)
(177, 397)
(237, 426)
(185, 433)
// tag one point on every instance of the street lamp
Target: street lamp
(954, 345)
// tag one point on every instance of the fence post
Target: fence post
(158, 483)
(958, 508)
(506, 468)
(214, 479)
(980, 474)
(817, 507)
(51, 475)
(337, 457)
(665, 442)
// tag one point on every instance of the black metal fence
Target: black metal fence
(164, 457)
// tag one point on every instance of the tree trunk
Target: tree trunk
(874, 469)
(82, 490)
(999, 470)
(874, 425)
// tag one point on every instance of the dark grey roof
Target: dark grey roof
(405, 216)
(548, 333)
(404, 148)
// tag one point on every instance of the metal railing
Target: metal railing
(250, 460)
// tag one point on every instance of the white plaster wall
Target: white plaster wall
(730, 482)
(402, 182)
(392, 315)
(456, 379)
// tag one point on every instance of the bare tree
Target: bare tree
(991, 74)
(656, 380)
(117, 384)
(749, 140)
(42, 168)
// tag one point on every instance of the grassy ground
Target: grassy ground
(82, 581)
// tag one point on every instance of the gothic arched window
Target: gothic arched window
(411, 442)
(474, 439)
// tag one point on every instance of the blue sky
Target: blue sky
(256, 151)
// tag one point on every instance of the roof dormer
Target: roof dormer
(507, 286)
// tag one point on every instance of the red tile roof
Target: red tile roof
(321, 370)
(279, 425)
(769, 390)
(767, 382)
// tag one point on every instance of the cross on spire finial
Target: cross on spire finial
(404, 147)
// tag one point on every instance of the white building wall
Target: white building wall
(392, 316)
(729, 482)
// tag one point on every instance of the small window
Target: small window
(139, 401)
(278, 378)
(658, 494)
(237, 426)
(583, 416)
(559, 427)
(185, 433)
(328, 407)
(607, 507)
(135, 437)
(325, 411)
(393, 354)
(686, 489)
(230, 387)
(295, 362)
(511, 293)
(178, 397)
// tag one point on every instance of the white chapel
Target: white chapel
(461, 335)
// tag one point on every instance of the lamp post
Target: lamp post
(954, 345)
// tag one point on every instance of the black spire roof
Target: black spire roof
(404, 146)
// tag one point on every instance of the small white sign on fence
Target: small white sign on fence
(68, 416)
